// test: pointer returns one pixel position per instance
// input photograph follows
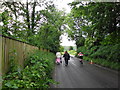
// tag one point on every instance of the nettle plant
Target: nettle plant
(36, 74)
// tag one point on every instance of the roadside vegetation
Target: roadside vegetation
(41, 27)
(37, 72)
(95, 27)
(107, 56)
(72, 52)
(37, 27)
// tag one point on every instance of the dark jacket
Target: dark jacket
(66, 56)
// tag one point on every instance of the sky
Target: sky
(65, 41)
(60, 5)
(63, 4)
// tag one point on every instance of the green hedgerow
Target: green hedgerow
(36, 74)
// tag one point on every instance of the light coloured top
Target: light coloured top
(58, 54)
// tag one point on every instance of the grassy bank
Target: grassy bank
(107, 56)
(36, 74)
(102, 62)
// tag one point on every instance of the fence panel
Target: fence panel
(13, 49)
(0, 63)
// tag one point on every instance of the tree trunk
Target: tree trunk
(33, 18)
(28, 19)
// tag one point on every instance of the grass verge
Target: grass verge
(105, 63)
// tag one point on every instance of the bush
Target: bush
(115, 53)
(102, 52)
(105, 63)
(86, 51)
(36, 74)
(72, 52)
(110, 53)
(83, 50)
(107, 56)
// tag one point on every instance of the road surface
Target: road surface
(87, 75)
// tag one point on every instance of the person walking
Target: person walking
(58, 58)
(66, 57)
(81, 57)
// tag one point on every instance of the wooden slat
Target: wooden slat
(0, 63)
(18, 50)
(13, 48)
(3, 53)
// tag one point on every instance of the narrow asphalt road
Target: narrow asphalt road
(87, 75)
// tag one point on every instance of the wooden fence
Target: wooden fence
(0, 63)
(11, 49)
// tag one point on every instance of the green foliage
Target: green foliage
(105, 63)
(83, 50)
(41, 28)
(107, 56)
(72, 52)
(36, 74)
(61, 48)
(110, 53)
(98, 21)
(51, 38)
(89, 42)
(51, 30)
(5, 18)
(87, 51)
(13, 64)
(111, 39)
(115, 52)
(102, 52)
(71, 48)
(80, 41)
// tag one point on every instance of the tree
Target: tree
(41, 28)
(97, 21)
(61, 48)
(51, 29)
(71, 48)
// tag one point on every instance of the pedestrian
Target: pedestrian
(66, 57)
(58, 58)
(81, 57)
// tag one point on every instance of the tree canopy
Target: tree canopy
(94, 23)
(30, 23)
(41, 24)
